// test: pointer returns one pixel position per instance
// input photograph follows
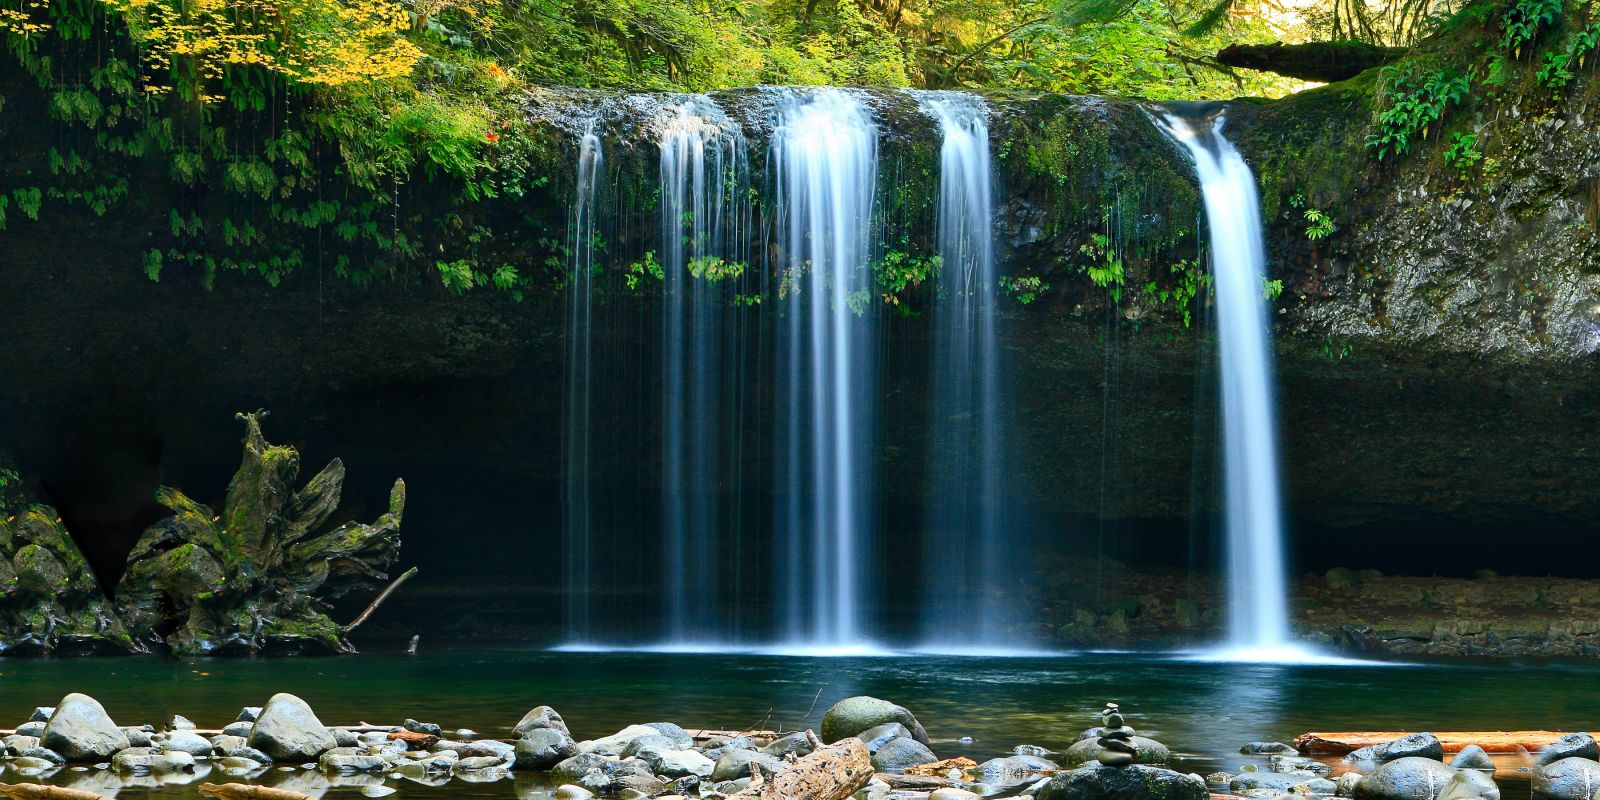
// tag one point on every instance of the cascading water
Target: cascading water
(705, 221)
(965, 544)
(1258, 613)
(825, 161)
(578, 434)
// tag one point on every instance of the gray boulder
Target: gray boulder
(1098, 731)
(189, 742)
(715, 748)
(735, 764)
(288, 730)
(541, 717)
(881, 735)
(15, 743)
(1573, 745)
(797, 744)
(1267, 749)
(350, 760)
(1568, 779)
(41, 714)
(614, 744)
(1468, 784)
(239, 728)
(899, 755)
(1138, 782)
(677, 763)
(1416, 745)
(853, 715)
(81, 730)
(1280, 782)
(44, 753)
(657, 742)
(1473, 757)
(248, 714)
(1084, 751)
(33, 728)
(139, 737)
(680, 737)
(1407, 778)
(543, 748)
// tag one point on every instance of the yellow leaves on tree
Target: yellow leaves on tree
(320, 42)
(24, 20)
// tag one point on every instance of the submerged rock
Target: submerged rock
(81, 730)
(288, 730)
(1137, 782)
(852, 715)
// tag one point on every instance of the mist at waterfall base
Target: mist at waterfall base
(785, 398)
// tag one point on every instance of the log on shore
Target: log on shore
(831, 772)
(1492, 741)
(1324, 62)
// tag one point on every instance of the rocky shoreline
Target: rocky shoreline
(864, 749)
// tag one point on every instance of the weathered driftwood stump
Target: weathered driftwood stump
(49, 600)
(255, 579)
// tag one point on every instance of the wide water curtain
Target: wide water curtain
(1257, 589)
(578, 437)
(965, 545)
(705, 220)
(824, 152)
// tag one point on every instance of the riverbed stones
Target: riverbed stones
(735, 764)
(288, 730)
(656, 741)
(1573, 745)
(1416, 745)
(16, 743)
(1136, 782)
(350, 760)
(543, 748)
(81, 730)
(569, 791)
(852, 715)
(1278, 782)
(951, 793)
(1267, 749)
(239, 728)
(43, 753)
(1468, 784)
(680, 737)
(715, 748)
(187, 741)
(1405, 778)
(676, 763)
(901, 754)
(540, 717)
(1571, 778)
(614, 744)
(144, 759)
(880, 735)
(41, 714)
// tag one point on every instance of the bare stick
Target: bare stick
(382, 596)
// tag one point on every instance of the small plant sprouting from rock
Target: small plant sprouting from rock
(1180, 298)
(1024, 288)
(1414, 105)
(1105, 268)
(1272, 290)
(1319, 225)
(1463, 153)
(1523, 22)
(1557, 70)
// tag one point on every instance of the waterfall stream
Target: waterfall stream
(965, 545)
(825, 158)
(1258, 606)
(577, 439)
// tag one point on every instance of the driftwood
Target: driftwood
(1453, 741)
(831, 772)
(242, 791)
(917, 783)
(39, 791)
(759, 737)
(1325, 62)
(50, 601)
(417, 741)
(940, 768)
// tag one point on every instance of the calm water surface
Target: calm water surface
(1204, 711)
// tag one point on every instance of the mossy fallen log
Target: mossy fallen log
(1324, 62)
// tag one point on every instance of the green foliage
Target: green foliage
(648, 266)
(1336, 352)
(898, 272)
(712, 269)
(1557, 70)
(1179, 298)
(1319, 225)
(1104, 268)
(1523, 21)
(1411, 105)
(1024, 288)
(1463, 152)
(1271, 290)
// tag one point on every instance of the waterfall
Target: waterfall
(1258, 612)
(965, 546)
(825, 162)
(705, 219)
(578, 436)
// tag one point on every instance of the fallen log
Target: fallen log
(1324, 62)
(417, 741)
(759, 737)
(942, 767)
(39, 791)
(831, 772)
(243, 791)
(1337, 744)
(918, 783)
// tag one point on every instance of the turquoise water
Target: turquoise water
(1203, 711)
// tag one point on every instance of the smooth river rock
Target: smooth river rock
(1408, 778)
(852, 715)
(1573, 745)
(735, 764)
(288, 730)
(81, 730)
(1138, 782)
(1568, 779)
(899, 755)
(1416, 745)
(1084, 751)
(541, 717)
(543, 748)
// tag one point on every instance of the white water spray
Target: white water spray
(1258, 608)
(825, 160)
(579, 403)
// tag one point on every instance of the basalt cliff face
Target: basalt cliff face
(1435, 350)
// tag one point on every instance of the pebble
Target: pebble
(377, 790)
(567, 791)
